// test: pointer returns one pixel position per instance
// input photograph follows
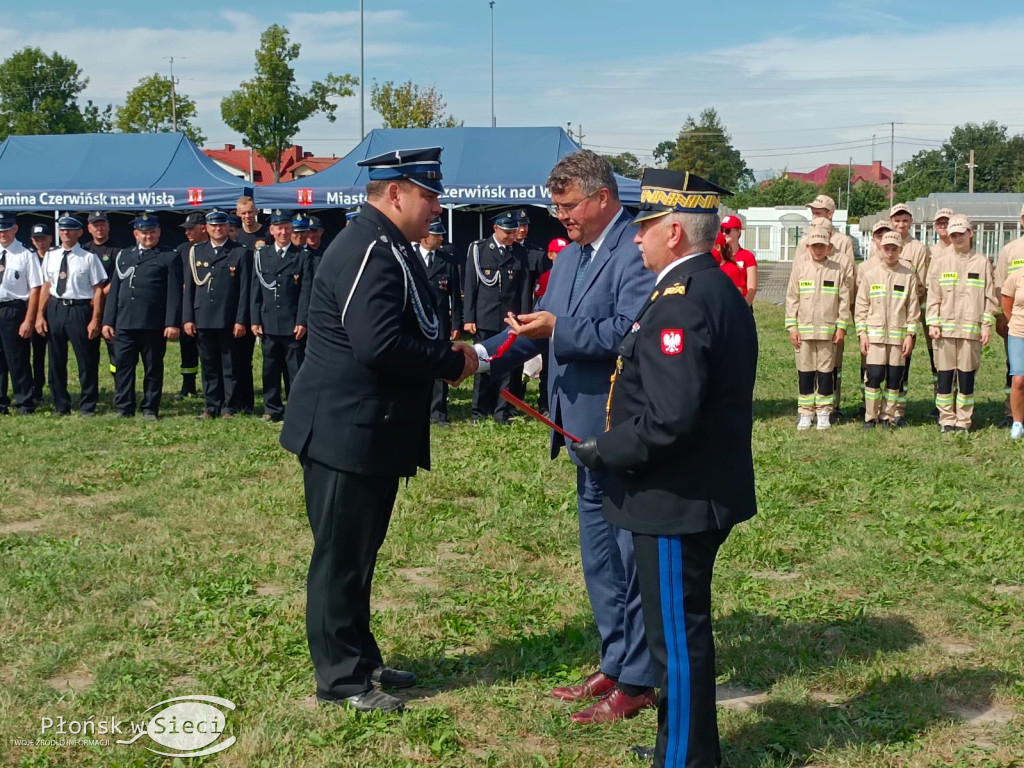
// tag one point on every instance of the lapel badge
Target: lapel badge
(295, 277)
(17, 275)
(231, 269)
(491, 245)
(511, 272)
(384, 238)
(105, 258)
(635, 328)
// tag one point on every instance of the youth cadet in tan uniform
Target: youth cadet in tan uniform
(960, 317)
(822, 209)
(817, 315)
(914, 252)
(887, 317)
(1011, 259)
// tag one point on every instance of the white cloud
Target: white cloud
(817, 85)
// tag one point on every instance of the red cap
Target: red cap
(732, 222)
(556, 245)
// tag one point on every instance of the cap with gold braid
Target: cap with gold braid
(663, 192)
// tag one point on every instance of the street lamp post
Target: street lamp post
(494, 120)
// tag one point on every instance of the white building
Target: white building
(772, 233)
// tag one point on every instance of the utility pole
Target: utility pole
(970, 178)
(174, 106)
(849, 177)
(873, 148)
(892, 162)
(579, 134)
(362, 79)
(494, 120)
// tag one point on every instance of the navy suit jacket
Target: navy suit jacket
(588, 331)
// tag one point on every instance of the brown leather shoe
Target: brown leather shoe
(598, 684)
(617, 705)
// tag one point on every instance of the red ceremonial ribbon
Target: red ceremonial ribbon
(512, 335)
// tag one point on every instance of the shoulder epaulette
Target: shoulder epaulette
(675, 290)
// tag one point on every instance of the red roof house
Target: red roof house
(876, 173)
(294, 163)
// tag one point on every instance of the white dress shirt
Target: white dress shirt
(85, 272)
(22, 273)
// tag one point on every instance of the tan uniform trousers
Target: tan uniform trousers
(957, 361)
(815, 362)
(891, 403)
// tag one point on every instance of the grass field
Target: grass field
(870, 615)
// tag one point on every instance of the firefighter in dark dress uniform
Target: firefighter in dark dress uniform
(195, 233)
(496, 283)
(359, 414)
(314, 242)
(42, 243)
(678, 442)
(216, 313)
(446, 291)
(142, 311)
(281, 281)
(107, 249)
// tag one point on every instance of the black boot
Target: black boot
(188, 386)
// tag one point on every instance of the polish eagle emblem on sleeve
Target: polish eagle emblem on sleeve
(672, 341)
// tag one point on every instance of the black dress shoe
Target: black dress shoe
(392, 678)
(367, 701)
(1006, 423)
(642, 753)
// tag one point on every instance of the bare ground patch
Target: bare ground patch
(270, 590)
(77, 680)
(419, 577)
(739, 698)
(20, 526)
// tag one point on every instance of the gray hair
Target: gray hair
(701, 228)
(586, 169)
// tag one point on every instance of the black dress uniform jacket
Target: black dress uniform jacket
(149, 296)
(361, 401)
(445, 289)
(286, 305)
(681, 408)
(224, 299)
(487, 305)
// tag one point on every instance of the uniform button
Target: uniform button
(387, 417)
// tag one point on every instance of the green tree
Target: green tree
(267, 109)
(39, 95)
(410, 106)
(926, 172)
(705, 148)
(627, 164)
(147, 109)
(781, 190)
(663, 153)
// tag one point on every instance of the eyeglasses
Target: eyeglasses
(565, 210)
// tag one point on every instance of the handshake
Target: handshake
(470, 362)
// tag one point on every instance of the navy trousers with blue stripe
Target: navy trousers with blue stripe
(675, 587)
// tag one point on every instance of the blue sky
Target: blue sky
(797, 84)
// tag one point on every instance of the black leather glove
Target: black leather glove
(588, 454)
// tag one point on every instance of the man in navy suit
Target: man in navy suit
(596, 288)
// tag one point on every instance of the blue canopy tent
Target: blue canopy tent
(112, 171)
(481, 167)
